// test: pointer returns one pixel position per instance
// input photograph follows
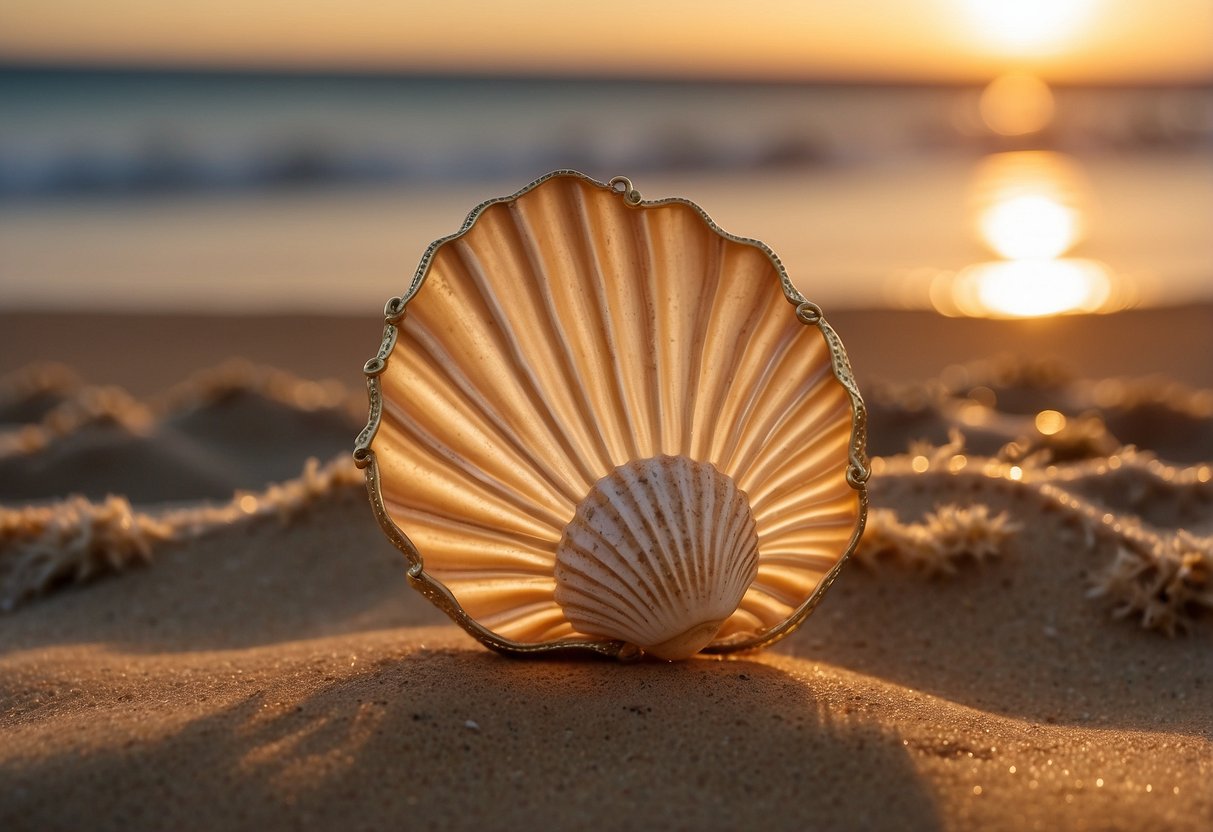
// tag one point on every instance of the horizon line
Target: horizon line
(331, 72)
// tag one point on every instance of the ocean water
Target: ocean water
(177, 190)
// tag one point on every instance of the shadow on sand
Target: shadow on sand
(1016, 635)
(471, 740)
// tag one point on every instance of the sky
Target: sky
(1075, 41)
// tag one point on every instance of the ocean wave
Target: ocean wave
(157, 168)
(78, 132)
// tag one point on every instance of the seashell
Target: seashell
(659, 554)
(603, 423)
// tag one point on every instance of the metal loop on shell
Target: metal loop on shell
(623, 186)
(393, 310)
(808, 313)
(857, 474)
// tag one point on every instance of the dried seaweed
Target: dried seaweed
(945, 538)
(76, 540)
(1165, 585)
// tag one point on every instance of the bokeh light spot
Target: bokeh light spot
(1016, 104)
(1050, 422)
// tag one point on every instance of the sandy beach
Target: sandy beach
(246, 248)
(1024, 641)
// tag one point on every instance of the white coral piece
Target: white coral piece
(1166, 583)
(945, 537)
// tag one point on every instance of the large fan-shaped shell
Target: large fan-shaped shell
(567, 331)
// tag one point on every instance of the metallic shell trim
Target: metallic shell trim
(807, 313)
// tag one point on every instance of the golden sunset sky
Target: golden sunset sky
(1101, 41)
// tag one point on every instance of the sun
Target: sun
(1028, 27)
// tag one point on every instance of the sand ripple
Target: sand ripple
(98, 482)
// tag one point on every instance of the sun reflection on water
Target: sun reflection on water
(1028, 226)
(1030, 204)
(1030, 208)
(1030, 288)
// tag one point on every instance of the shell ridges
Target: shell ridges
(565, 333)
(658, 554)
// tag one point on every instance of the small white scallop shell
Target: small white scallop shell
(658, 554)
(567, 335)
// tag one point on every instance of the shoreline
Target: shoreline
(885, 346)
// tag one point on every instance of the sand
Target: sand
(271, 668)
(882, 344)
